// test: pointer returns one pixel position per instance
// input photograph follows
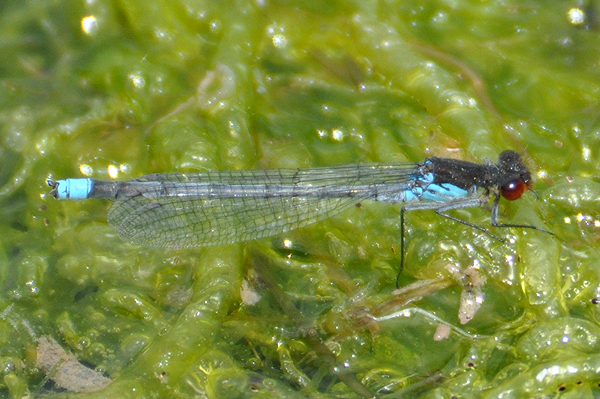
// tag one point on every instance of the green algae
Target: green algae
(122, 89)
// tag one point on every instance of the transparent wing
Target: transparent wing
(184, 220)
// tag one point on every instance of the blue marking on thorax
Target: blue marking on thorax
(425, 190)
(76, 189)
(409, 195)
(445, 192)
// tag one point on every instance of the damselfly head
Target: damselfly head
(514, 174)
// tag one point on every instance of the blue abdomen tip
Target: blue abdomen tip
(75, 189)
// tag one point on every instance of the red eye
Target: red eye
(513, 189)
